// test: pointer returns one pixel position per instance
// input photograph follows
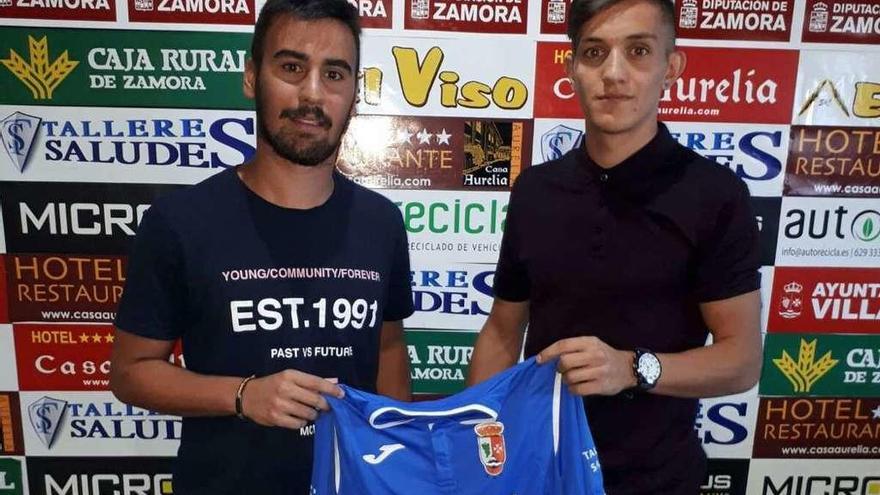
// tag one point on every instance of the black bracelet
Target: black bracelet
(238, 397)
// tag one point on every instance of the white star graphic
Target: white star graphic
(443, 137)
(424, 136)
(876, 412)
(403, 135)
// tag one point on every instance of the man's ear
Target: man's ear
(569, 72)
(249, 81)
(676, 63)
(569, 64)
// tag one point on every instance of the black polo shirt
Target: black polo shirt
(627, 254)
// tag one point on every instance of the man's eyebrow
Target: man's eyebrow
(641, 36)
(286, 52)
(332, 62)
(338, 62)
(636, 36)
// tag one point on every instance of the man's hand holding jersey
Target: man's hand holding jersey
(290, 398)
(589, 366)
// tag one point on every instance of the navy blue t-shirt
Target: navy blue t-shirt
(254, 288)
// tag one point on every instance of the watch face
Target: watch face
(649, 367)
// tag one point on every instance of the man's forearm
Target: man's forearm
(494, 351)
(160, 386)
(731, 364)
(393, 380)
(393, 376)
(723, 368)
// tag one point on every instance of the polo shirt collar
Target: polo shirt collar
(638, 176)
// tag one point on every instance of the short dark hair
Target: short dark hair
(584, 10)
(307, 10)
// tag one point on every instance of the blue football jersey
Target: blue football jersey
(519, 433)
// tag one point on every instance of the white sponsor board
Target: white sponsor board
(838, 88)
(94, 424)
(452, 226)
(828, 232)
(726, 425)
(451, 296)
(813, 477)
(443, 77)
(756, 152)
(555, 137)
(137, 145)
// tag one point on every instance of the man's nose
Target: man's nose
(312, 88)
(615, 67)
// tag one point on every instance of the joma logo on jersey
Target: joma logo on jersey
(806, 371)
(38, 75)
(384, 452)
(866, 103)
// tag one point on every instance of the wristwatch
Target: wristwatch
(647, 369)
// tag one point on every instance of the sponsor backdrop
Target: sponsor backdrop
(123, 100)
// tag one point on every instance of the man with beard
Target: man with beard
(279, 276)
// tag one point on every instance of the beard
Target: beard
(297, 147)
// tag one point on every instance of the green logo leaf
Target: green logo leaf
(866, 226)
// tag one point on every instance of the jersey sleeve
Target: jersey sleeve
(400, 301)
(326, 458)
(153, 301)
(728, 261)
(577, 459)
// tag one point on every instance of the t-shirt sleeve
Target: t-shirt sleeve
(400, 301)
(153, 302)
(729, 259)
(511, 279)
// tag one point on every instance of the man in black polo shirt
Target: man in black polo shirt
(624, 254)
